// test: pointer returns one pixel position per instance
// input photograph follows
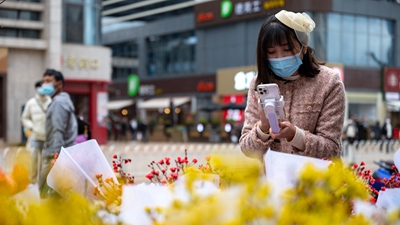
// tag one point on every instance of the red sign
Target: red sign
(204, 17)
(205, 86)
(392, 79)
(234, 113)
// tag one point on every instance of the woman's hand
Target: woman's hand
(287, 131)
(264, 125)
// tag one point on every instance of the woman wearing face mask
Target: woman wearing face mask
(313, 93)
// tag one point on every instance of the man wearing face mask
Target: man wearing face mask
(61, 125)
(33, 119)
(314, 95)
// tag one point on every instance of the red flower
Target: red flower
(362, 163)
(115, 156)
(149, 176)
(194, 160)
(161, 162)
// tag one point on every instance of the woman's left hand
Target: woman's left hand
(287, 131)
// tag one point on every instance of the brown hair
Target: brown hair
(272, 33)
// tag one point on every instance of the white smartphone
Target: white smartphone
(268, 91)
(268, 96)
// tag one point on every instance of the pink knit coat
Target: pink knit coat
(316, 105)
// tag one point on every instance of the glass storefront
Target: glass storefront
(353, 40)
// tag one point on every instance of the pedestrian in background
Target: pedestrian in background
(133, 124)
(33, 119)
(351, 130)
(314, 95)
(61, 124)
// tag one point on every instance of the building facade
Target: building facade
(59, 34)
(214, 42)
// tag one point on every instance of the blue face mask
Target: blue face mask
(46, 89)
(285, 66)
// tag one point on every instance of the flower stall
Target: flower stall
(220, 189)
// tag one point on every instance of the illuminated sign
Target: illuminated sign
(274, 4)
(392, 79)
(214, 13)
(248, 7)
(133, 84)
(205, 86)
(243, 80)
(226, 8)
(204, 17)
(147, 89)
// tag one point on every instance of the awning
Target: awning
(119, 104)
(156, 103)
(393, 105)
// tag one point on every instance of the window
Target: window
(122, 73)
(19, 14)
(24, 0)
(171, 54)
(81, 21)
(124, 56)
(22, 33)
(74, 22)
(354, 40)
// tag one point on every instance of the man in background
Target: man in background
(61, 125)
(33, 119)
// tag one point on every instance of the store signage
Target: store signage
(205, 17)
(226, 8)
(229, 11)
(392, 79)
(273, 4)
(243, 80)
(247, 7)
(149, 89)
(133, 84)
(234, 114)
(205, 86)
(78, 62)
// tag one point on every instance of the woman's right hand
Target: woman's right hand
(264, 122)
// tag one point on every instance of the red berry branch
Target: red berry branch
(118, 163)
(162, 172)
(366, 176)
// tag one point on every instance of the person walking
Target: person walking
(61, 125)
(351, 130)
(33, 119)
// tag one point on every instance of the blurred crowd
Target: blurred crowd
(362, 129)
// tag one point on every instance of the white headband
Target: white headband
(301, 23)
